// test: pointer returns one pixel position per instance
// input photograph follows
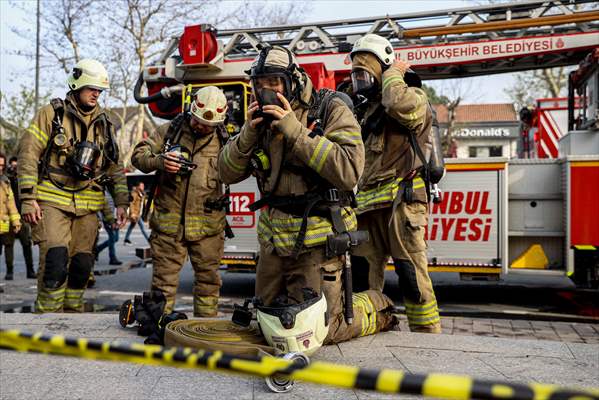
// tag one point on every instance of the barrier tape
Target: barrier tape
(444, 386)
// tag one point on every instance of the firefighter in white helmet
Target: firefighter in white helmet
(68, 157)
(392, 196)
(189, 201)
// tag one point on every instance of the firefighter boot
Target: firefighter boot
(79, 272)
(205, 306)
(31, 272)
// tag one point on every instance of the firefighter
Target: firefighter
(392, 198)
(67, 158)
(24, 234)
(306, 165)
(10, 220)
(189, 207)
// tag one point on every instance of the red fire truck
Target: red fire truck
(498, 216)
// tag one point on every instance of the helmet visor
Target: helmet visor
(362, 81)
(277, 82)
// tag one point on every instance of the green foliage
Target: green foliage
(433, 97)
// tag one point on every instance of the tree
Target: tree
(531, 85)
(433, 97)
(17, 110)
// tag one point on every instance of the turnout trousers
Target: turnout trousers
(66, 241)
(168, 256)
(277, 275)
(401, 236)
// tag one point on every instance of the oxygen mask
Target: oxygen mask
(83, 160)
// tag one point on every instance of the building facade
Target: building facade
(479, 130)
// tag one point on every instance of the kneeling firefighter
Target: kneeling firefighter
(392, 193)
(67, 157)
(189, 200)
(305, 150)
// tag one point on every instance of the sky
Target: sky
(15, 69)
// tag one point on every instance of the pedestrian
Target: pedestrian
(24, 234)
(10, 220)
(392, 196)
(67, 158)
(135, 210)
(107, 217)
(189, 206)
(306, 164)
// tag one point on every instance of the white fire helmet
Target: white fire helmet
(377, 45)
(297, 327)
(88, 73)
(209, 106)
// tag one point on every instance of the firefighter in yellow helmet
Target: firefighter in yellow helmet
(392, 198)
(306, 152)
(67, 158)
(189, 204)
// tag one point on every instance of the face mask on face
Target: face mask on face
(363, 83)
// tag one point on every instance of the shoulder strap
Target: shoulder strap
(58, 106)
(173, 134)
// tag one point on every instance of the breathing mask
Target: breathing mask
(363, 83)
(82, 161)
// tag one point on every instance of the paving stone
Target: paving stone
(545, 370)
(584, 330)
(208, 386)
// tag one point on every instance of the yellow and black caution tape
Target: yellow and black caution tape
(386, 380)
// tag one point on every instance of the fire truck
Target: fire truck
(497, 215)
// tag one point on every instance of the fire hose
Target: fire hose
(444, 386)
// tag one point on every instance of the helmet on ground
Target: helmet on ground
(88, 73)
(295, 327)
(209, 106)
(276, 64)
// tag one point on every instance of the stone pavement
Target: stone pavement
(34, 376)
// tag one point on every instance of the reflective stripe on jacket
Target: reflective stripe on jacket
(336, 156)
(77, 126)
(389, 155)
(180, 201)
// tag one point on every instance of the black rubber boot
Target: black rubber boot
(31, 272)
(9, 276)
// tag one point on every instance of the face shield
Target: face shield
(363, 82)
(266, 87)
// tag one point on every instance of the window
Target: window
(496, 151)
(485, 151)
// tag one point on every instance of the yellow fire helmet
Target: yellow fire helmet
(88, 73)
(209, 106)
(297, 327)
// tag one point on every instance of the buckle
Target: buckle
(332, 195)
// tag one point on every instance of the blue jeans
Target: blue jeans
(141, 226)
(113, 238)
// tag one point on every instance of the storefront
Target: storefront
(481, 130)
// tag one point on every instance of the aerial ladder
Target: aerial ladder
(498, 216)
(459, 42)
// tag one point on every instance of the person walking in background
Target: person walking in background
(24, 234)
(112, 230)
(10, 220)
(135, 209)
